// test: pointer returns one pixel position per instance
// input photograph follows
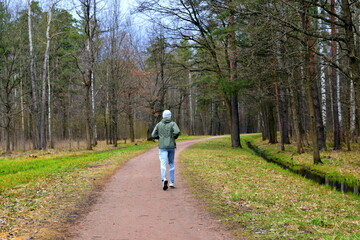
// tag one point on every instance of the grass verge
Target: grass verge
(341, 166)
(40, 197)
(263, 201)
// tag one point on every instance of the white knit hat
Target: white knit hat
(166, 114)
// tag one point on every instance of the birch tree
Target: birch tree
(44, 79)
(34, 85)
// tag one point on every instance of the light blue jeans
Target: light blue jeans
(167, 157)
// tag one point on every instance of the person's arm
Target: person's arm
(176, 130)
(155, 133)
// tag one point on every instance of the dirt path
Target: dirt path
(133, 206)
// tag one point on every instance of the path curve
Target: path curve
(133, 206)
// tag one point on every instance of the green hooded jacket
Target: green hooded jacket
(166, 131)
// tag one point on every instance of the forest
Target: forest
(79, 72)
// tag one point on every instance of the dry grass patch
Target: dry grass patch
(264, 201)
(44, 207)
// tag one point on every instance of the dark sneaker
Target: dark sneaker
(165, 184)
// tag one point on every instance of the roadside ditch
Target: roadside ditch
(307, 173)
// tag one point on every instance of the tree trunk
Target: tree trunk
(235, 131)
(7, 119)
(51, 140)
(35, 110)
(271, 121)
(151, 124)
(7, 138)
(316, 102)
(357, 44)
(264, 122)
(279, 77)
(114, 125)
(23, 136)
(285, 113)
(235, 128)
(93, 107)
(191, 106)
(354, 58)
(43, 82)
(69, 122)
(131, 126)
(106, 122)
(346, 104)
(309, 74)
(88, 114)
(282, 114)
(213, 120)
(90, 29)
(334, 88)
(179, 110)
(326, 81)
(294, 99)
(313, 125)
(107, 118)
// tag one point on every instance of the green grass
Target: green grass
(186, 137)
(24, 170)
(39, 196)
(263, 201)
(14, 172)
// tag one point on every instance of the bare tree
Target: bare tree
(193, 21)
(352, 53)
(34, 87)
(333, 77)
(9, 81)
(309, 74)
(91, 31)
(44, 78)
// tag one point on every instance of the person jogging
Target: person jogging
(166, 131)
